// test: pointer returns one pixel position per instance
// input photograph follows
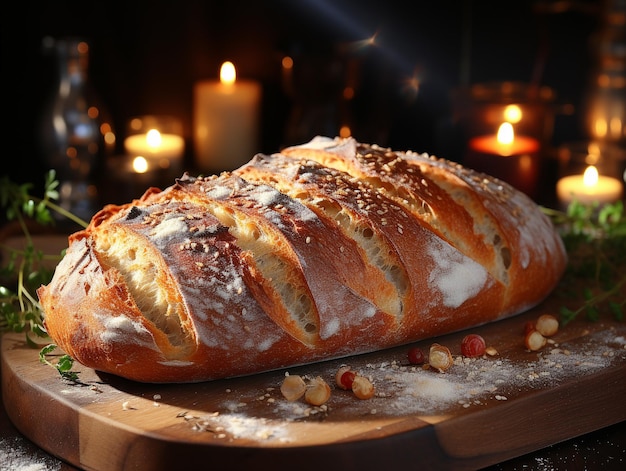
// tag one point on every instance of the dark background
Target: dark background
(146, 56)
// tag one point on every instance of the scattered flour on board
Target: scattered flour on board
(233, 425)
(15, 457)
(409, 390)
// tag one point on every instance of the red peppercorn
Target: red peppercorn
(415, 356)
(347, 379)
(473, 345)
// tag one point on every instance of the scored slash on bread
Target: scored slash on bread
(321, 251)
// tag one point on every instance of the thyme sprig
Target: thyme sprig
(25, 271)
(595, 240)
(63, 365)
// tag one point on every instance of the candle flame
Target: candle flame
(506, 134)
(153, 138)
(140, 164)
(228, 74)
(590, 177)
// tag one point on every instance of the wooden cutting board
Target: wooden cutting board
(478, 413)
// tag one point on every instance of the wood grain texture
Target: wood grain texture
(541, 398)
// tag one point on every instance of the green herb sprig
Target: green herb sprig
(63, 365)
(25, 272)
(595, 240)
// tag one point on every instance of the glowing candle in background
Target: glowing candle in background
(226, 116)
(590, 187)
(506, 128)
(507, 156)
(158, 149)
(154, 151)
(504, 143)
(158, 139)
(590, 172)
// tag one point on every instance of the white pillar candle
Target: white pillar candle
(589, 188)
(226, 116)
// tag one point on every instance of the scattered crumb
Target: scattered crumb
(127, 406)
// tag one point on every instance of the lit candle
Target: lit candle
(588, 188)
(504, 143)
(511, 158)
(226, 121)
(158, 149)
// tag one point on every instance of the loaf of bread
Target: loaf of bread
(324, 250)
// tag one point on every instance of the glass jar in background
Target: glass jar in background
(76, 134)
(604, 102)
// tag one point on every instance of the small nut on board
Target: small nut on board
(362, 387)
(439, 357)
(547, 325)
(317, 392)
(293, 387)
(534, 341)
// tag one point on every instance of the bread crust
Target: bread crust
(322, 251)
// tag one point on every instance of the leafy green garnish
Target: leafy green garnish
(24, 271)
(63, 364)
(595, 240)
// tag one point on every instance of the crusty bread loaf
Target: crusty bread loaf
(324, 250)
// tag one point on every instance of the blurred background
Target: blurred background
(379, 71)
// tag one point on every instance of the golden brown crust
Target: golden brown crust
(324, 250)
